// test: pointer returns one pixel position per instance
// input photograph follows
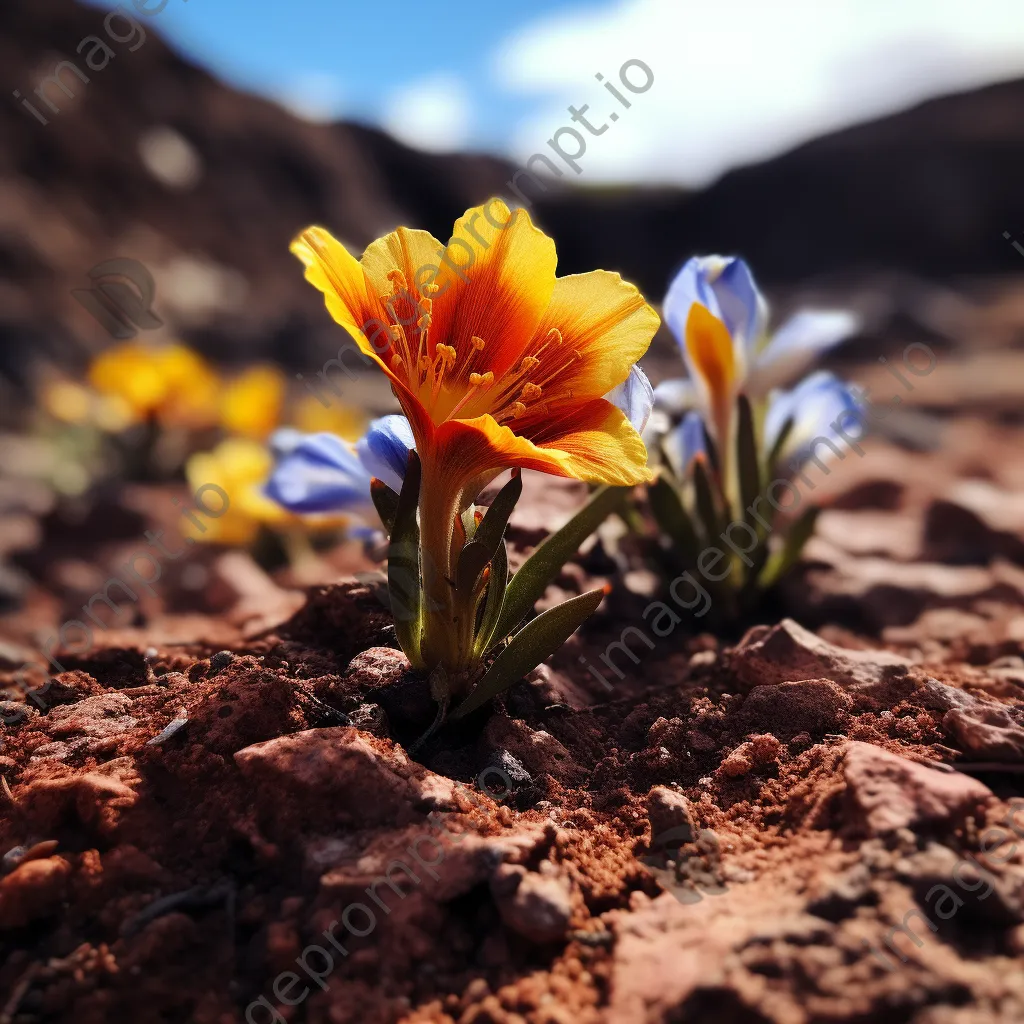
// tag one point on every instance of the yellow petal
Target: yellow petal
(605, 320)
(349, 293)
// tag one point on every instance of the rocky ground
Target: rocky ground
(200, 823)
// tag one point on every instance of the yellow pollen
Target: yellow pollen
(530, 363)
(530, 391)
(475, 379)
(517, 410)
(448, 354)
(396, 332)
(478, 343)
(432, 289)
(554, 336)
(397, 278)
(397, 362)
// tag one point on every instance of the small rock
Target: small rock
(889, 792)
(220, 661)
(13, 712)
(32, 891)
(338, 773)
(987, 729)
(788, 652)
(536, 750)
(536, 906)
(737, 764)
(97, 717)
(816, 706)
(669, 812)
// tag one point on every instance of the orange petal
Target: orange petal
(495, 281)
(709, 346)
(604, 319)
(594, 442)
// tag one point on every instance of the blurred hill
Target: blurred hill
(153, 158)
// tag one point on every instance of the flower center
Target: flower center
(454, 384)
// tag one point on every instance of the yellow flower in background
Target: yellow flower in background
(240, 467)
(311, 417)
(251, 404)
(169, 382)
(77, 405)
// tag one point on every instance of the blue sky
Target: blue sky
(732, 83)
(353, 58)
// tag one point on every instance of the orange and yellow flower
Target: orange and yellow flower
(495, 361)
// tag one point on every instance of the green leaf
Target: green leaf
(673, 520)
(780, 441)
(796, 538)
(536, 641)
(749, 471)
(707, 510)
(534, 575)
(404, 586)
(493, 600)
(475, 555)
(385, 501)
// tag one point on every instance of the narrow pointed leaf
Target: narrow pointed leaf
(780, 441)
(475, 555)
(536, 641)
(707, 510)
(673, 520)
(749, 471)
(404, 584)
(493, 600)
(797, 537)
(385, 501)
(534, 575)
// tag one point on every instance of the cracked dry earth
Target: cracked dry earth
(210, 790)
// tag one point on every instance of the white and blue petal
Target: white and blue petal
(744, 309)
(725, 286)
(796, 344)
(320, 474)
(635, 397)
(285, 440)
(676, 397)
(686, 443)
(384, 449)
(814, 405)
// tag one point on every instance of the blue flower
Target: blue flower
(686, 443)
(816, 406)
(318, 473)
(730, 351)
(384, 450)
(635, 397)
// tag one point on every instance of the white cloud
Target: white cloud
(737, 82)
(433, 113)
(315, 96)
